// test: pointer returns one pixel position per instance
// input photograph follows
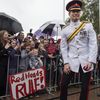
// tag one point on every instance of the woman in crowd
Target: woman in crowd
(25, 55)
(13, 52)
(43, 53)
(4, 45)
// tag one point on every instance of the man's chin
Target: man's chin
(75, 20)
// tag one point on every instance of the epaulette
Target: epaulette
(86, 21)
(65, 25)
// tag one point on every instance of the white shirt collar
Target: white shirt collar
(75, 23)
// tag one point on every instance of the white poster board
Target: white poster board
(25, 83)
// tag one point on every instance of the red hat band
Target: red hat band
(74, 5)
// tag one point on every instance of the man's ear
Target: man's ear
(69, 13)
(81, 13)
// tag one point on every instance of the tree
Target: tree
(91, 13)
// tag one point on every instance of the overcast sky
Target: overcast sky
(34, 13)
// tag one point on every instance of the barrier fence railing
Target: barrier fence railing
(54, 70)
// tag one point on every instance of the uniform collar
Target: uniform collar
(75, 23)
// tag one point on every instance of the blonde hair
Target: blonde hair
(1, 36)
(26, 44)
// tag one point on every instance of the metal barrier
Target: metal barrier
(7, 94)
(54, 67)
(53, 71)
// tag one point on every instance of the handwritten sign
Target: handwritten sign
(25, 83)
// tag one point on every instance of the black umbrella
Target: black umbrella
(10, 24)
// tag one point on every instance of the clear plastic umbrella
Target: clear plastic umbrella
(51, 28)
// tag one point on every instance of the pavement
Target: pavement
(94, 94)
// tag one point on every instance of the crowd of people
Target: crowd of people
(20, 53)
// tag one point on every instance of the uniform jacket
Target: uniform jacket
(82, 49)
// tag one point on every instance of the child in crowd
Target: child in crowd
(35, 61)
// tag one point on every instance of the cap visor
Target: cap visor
(75, 9)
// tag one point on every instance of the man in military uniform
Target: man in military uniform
(79, 50)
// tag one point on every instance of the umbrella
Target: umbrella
(10, 24)
(38, 33)
(51, 28)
